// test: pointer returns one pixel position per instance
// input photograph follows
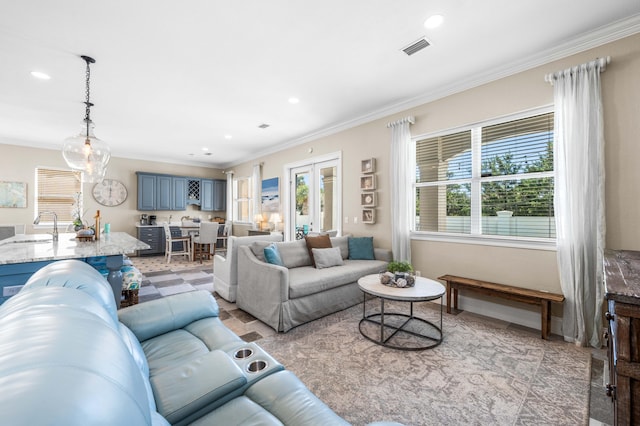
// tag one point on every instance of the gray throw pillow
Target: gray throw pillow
(257, 247)
(327, 257)
(343, 243)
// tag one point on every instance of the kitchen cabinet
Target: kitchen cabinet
(161, 192)
(622, 290)
(154, 236)
(146, 191)
(193, 191)
(206, 195)
(164, 194)
(167, 192)
(220, 195)
(213, 195)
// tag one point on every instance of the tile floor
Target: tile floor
(161, 279)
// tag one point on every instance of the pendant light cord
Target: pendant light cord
(87, 114)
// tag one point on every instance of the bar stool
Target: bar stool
(205, 243)
(169, 240)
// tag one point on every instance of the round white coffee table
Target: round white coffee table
(424, 290)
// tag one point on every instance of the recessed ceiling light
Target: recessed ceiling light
(228, 136)
(40, 75)
(294, 100)
(433, 21)
(204, 148)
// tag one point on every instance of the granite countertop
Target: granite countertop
(26, 248)
(622, 275)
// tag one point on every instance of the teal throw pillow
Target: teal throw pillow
(361, 248)
(272, 255)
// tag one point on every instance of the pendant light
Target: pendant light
(85, 152)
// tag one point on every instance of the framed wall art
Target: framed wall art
(368, 182)
(270, 196)
(368, 165)
(369, 199)
(368, 216)
(13, 194)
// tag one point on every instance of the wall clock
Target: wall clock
(110, 192)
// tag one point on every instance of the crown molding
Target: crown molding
(598, 37)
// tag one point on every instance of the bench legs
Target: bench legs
(546, 318)
(545, 309)
(455, 297)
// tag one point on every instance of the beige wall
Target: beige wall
(520, 92)
(18, 164)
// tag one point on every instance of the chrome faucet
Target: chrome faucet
(55, 223)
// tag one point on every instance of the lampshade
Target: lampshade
(258, 218)
(275, 218)
(86, 153)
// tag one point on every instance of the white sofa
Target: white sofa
(225, 269)
(286, 296)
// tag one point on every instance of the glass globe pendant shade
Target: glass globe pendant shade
(87, 154)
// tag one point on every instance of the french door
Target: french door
(314, 197)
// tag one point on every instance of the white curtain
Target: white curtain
(579, 199)
(256, 182)
(230, 204)
(402, 173)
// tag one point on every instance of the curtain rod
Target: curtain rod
(600, 62)
(410, 119)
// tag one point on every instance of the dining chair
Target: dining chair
(225, 234)
(204, 244)
(169, 240)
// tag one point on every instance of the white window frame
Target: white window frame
(237, 200)
(476, 237)
(47, 220)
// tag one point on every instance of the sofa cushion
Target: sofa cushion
(343, 244)
(294, 253)
(308, 280)
(271, 255)
(257, 247)
(238, 411)
(319, 241)
(327, 257)
(361, 248)
(192, 386)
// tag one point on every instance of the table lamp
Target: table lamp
(275, 219)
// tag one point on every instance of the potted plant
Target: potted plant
(398, 274)
(396, 267)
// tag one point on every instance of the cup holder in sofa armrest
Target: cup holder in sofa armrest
(254, 362)
(257, 366)
(243, 353)
(202, 383)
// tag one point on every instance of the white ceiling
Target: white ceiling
(174, 77)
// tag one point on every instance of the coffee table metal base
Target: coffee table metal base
(379, 319)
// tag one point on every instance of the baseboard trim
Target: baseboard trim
(512, 314)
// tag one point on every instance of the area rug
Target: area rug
(479, 375)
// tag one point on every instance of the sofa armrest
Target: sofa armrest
(262, 288)
(383, 254)
(287, 398)
(197, 385)
(161, 316)
(261, 277)
(222, 268)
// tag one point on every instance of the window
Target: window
(57, 191)
(493, 179)
(242, 199)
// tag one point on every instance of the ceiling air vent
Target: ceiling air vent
(263, 126)
(416, 46)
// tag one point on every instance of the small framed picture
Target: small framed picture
(368, 216)
(368, 182)
(369, 199)
(368, 165)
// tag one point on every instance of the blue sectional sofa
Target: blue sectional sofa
(68, 357)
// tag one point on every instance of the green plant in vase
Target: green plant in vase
(401, 271)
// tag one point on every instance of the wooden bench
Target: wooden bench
(533, 297)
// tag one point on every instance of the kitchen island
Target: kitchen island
(22, 255)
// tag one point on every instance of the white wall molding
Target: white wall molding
(603, 35)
